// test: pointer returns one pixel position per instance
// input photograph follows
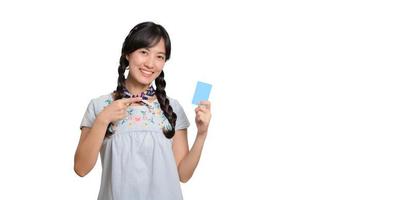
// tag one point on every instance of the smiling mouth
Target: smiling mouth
(146, 73)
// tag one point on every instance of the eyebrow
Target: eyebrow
(161, 52)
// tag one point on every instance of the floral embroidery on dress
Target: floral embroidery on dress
(137, 119)
(153, 116)
(130, 111)
(108, 101)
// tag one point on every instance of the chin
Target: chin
(145, 81)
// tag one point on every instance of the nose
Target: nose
(149, 62)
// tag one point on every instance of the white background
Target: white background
(310, 99)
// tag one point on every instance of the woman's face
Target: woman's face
(145, 64)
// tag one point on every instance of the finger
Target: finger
(197, 109)
(205, 118)
(129, 101)
(198, 112)
(201, 119)
(205, 103)
(123, 106)
(202, 108)
(200, 115)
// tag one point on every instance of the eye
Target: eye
(144, 52)
(161, 57)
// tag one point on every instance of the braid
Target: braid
(118, 94)
(121, 79)
(164, 105)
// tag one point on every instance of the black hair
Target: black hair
(146, 35)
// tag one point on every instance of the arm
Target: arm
(186, 160)
(91, 140)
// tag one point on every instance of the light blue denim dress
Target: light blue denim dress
(137, 160)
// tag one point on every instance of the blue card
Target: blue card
(202, 92)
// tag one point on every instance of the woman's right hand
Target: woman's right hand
(117, 109)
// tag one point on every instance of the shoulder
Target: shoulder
(182, 121)
(105, 97)
(173, 102)
(99, 102)
(177, 107)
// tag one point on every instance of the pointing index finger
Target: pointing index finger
(129, 101)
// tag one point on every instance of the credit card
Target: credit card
(202, 92)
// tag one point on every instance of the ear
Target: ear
(127, 57)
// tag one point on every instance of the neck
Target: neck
(135, 87)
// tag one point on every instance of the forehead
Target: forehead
(159, 47)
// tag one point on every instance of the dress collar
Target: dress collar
(145, 95)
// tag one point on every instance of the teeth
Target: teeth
(146, 72)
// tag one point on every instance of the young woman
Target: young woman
(140, 132)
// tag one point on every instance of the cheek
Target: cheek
(159, 66)
(136, 58)
(158, 73)
(135, 62)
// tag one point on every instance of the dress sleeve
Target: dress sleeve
(89, 116)
(181, 122)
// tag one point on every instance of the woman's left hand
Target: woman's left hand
(203, 116)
